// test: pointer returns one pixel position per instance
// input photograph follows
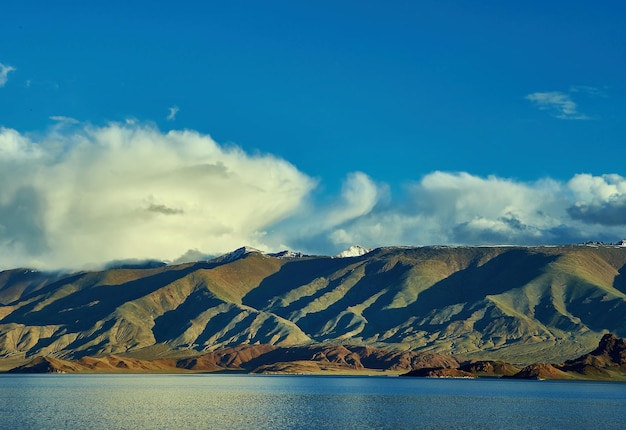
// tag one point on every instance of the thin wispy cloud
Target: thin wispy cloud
(173, 111)
(48, 85)
(64, 119)
(559, 104)
(588, 90)
(4, 73)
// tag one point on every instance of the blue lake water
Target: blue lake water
(292, 402)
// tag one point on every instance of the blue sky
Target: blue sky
(382, 123)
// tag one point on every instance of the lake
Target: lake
(292, 402)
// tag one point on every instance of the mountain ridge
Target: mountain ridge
(518, 303)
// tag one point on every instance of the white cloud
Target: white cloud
(130, 191)
(558, 103)
(463, 209)
(318, 227)
(64, 119)
(84, 194)
(15, 147)
(599, 199)
(4, 73)
(588, 90)
(359, 195)
(457, 208)
(595, 189)
(173, 111)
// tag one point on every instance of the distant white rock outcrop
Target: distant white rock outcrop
(353, 251)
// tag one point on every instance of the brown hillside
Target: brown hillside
(519, 304)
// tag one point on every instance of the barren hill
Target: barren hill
(518, 304)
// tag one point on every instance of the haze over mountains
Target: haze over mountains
(521, 304)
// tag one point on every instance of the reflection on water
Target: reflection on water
(244, 401)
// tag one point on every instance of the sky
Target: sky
(177, 130)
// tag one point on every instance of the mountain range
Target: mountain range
(519, 304)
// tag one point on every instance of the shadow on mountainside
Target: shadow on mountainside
(620, 280)
(174, 323)
(291, 276)
(18, 283)
(49, 289)
(81, 309)
(590, 306)
(599, 314)
(377, 278)
(355, 294)
(221, 321)
(509, 270)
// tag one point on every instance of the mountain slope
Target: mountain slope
(515, 303)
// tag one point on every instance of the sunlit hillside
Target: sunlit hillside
(519, 304)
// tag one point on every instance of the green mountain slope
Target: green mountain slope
(514, 303)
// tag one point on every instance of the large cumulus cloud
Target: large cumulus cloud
(81, 195)
(464, 209)
(92, 194)
(599, 199)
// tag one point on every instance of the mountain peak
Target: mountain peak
(238, 253)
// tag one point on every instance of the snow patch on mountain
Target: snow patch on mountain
(353, 251)
(237, 254)
(246, 250)
(596, 244)
(286, 254)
